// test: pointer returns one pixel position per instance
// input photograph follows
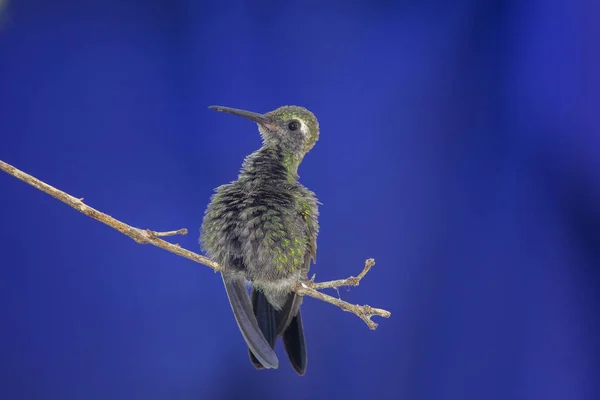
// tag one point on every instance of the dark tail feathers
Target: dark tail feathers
(286, 322)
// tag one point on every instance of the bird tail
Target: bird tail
(247, 323)
(286, 322)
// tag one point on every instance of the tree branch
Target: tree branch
(146, 236)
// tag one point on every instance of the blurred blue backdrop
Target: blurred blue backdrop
(459, 147)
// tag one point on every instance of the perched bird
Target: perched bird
(262, 228)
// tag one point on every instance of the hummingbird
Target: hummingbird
(262, 229)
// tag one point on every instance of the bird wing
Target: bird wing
(307, 207)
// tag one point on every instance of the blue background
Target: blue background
(459, 147)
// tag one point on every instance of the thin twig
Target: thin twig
(350, 281)
(363, 312)
(147, 236)
(139, 235)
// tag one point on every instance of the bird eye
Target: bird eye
(293, 126)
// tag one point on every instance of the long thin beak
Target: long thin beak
(258, 118)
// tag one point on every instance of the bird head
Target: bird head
(294, 129)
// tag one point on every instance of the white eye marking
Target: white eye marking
(303, 128)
